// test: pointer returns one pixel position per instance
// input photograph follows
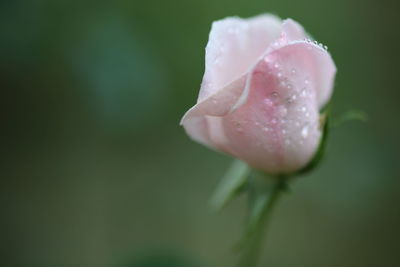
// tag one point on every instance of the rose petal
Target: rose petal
(197, 122)
(234, 46)
(277, 129)
(318, 64)
(293, 30)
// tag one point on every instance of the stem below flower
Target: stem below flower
(263, 199)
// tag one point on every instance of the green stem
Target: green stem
(263, 204)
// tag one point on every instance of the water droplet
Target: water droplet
(276, 65)
(325, 47)
(291, 99)
(265, 129)
(274, 121)
(293, 71)
(315, 42)
(274, 95)
(307, 114)
(306, 81)
(283, 131)
(289, 86)
(303, 109)
(304, 131)
(279, 74)
(304, 92)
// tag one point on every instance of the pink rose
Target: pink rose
(263, 87)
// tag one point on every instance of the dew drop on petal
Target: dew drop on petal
(274, 95)
(291, 99)
(304, 132)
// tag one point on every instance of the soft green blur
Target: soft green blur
(96, 170)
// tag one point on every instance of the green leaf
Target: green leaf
(231, 185)
(350, 116)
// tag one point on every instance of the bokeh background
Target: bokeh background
(96, 170)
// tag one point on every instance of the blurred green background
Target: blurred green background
(96, 170)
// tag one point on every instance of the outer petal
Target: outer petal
(234, 46)
(324, 68)
(201, 121)
(324, 75)
(277, 129)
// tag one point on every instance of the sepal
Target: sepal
(232, 184)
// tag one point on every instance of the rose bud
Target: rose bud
(263, 87)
